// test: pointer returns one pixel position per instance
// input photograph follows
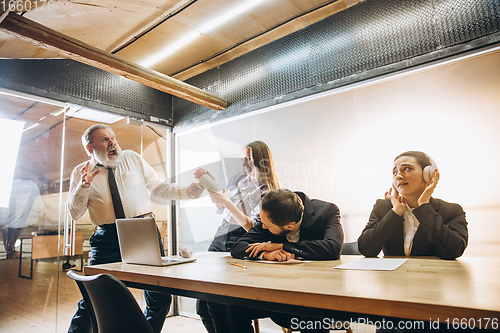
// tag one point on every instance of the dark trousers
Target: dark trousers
(10, 235)
(240, 320)
(104, 250)
(214, 315)
(227, 234)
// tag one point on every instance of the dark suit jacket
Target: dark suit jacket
(321, 234)
(442, 231)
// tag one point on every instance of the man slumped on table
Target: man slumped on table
(293, 226)
(114, 184)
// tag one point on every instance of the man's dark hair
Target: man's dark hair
(282, 206)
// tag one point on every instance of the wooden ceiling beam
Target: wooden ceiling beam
(72, 48)
(3, 14)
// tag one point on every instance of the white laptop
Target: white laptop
(138, 242)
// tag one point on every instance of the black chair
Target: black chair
(111, 306)
(350, 249)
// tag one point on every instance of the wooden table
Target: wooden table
(48, 246)
(465, 291)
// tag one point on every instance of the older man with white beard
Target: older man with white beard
(90, 190)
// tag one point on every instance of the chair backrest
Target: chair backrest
(111, 305)
(350, 249)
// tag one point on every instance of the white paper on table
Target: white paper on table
(289, 262)
(373, 264)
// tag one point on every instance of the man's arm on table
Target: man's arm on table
(255, 235)
(328, 245)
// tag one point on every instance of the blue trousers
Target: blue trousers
(104, 250)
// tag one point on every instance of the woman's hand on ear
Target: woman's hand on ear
(426, 195)
(398, 201)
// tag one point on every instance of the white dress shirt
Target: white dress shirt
(134, 177)
(246, 195)
(410, 227)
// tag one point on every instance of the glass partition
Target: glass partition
(156, 150)
(42, 146)
(31, 212)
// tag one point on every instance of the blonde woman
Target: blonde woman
(239, 206)
(239, 203)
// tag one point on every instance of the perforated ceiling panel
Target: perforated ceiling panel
(369, 39)
(70, 81)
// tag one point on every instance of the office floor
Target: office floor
(29, 306)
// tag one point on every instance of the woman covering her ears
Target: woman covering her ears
(409, 221)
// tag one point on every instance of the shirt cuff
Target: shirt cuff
(183, 193)
(82, 190)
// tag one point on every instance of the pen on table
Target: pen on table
(238, 265)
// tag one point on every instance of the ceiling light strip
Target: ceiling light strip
(30, 97)
(162, 20)
(208, 26)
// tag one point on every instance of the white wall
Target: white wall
(339, 146)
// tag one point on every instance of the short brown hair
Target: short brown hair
(422, 159)
(282, 206)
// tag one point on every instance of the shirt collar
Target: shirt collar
(408, 208)
(93, 164)
(295, 236)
